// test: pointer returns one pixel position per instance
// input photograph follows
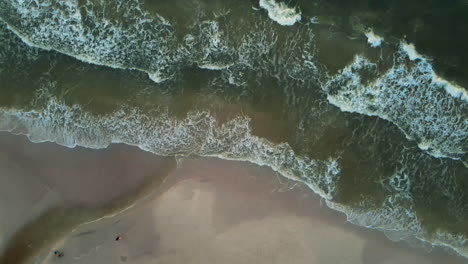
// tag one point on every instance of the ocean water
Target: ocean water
(365, 103)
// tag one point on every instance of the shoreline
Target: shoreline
(286, 174)
(313, 205)
(57, 189)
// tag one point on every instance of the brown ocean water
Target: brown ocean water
(370, 129)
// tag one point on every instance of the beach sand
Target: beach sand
(205, 210)
(46, 190)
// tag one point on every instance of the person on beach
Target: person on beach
(58, 254)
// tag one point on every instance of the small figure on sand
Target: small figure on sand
(118, 238)
(58, 254)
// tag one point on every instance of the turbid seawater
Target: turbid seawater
(366, 103)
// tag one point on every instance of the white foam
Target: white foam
(410, 50)
(314, 20)
(157, 77)
(409, 95)
(373, 39)
(149, 42)
(201, 134)
(214, 67)
(280, 12)
(451, 88)
(43, 26)
(399, 223)
(216, 53)
(198, 134)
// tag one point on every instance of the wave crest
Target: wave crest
(408, 96)
(280, 12)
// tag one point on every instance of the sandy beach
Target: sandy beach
(46, 190)
(196, 210)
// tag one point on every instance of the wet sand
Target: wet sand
(205, 211)
(46, 190)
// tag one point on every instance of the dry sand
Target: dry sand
(206, 211)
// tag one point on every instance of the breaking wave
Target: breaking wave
(280, 12)
(373, 39)
(199, 133)
(147, 42)
(428, 109)
(89, 33)
(409, 95)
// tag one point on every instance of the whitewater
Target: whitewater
(405, 90)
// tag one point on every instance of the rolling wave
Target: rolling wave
(121, 34)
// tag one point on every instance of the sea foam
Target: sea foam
(451, 88)
(145, 44)
(409, 95)
(148, 42)
(199, 133)
(280, 12)
(397, 95)
(373, 39)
